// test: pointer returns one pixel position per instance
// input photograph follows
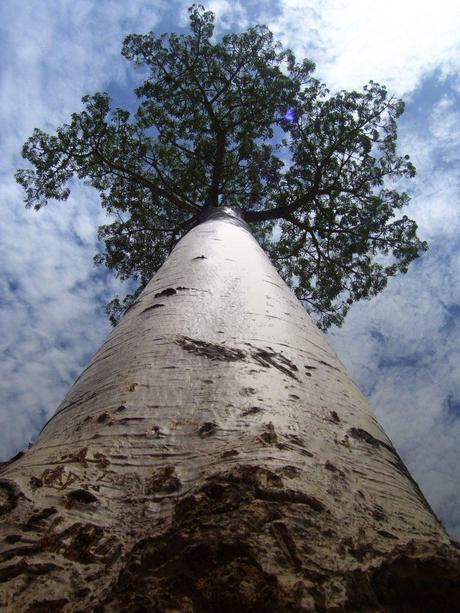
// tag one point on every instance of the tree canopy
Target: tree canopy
(239, 122)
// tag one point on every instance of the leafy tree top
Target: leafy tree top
(239, 122)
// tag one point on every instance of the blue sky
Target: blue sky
(402, 348)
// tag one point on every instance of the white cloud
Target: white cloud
(395, 42)
(433, 144)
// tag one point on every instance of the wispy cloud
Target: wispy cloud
(397, 43)
(51, 301)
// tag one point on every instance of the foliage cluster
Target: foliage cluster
(239, 122)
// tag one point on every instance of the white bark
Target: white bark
(215, 456)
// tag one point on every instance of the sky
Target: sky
(401, 348)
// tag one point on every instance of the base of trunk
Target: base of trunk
(243, 540)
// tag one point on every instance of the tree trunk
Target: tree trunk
(215, 456)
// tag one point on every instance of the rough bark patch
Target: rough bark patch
(219, 351)
(206, 561)
(213, 557)
(212, 351)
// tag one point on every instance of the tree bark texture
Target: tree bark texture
(215, 456)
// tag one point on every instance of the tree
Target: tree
(239, 122)
(214, 455)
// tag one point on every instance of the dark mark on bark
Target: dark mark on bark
(251, 411)
(154, 306)
(230, 454)
(81, 496)
(47, 606)
(328, 365)
(285, 542)
(360, 434)
(363, 435)
(23, 550)
(36, 520)
(121, 408)
(10, 493)
(163, 480)
(12, 538)
(212, 351)
(23, 568)
(101, 459)
(269, 437)
(289, 496)
(297, 440)
(207, 429)
(200, 257)
(282, 446)
(157, 433)
(329, 466)
(35, 482)
(378, 513)
(334, 417)
(103, 417)
(81, 542)
(277, 360)
(216, 351)
(77, 457)
(169, 291)
(386, 534)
